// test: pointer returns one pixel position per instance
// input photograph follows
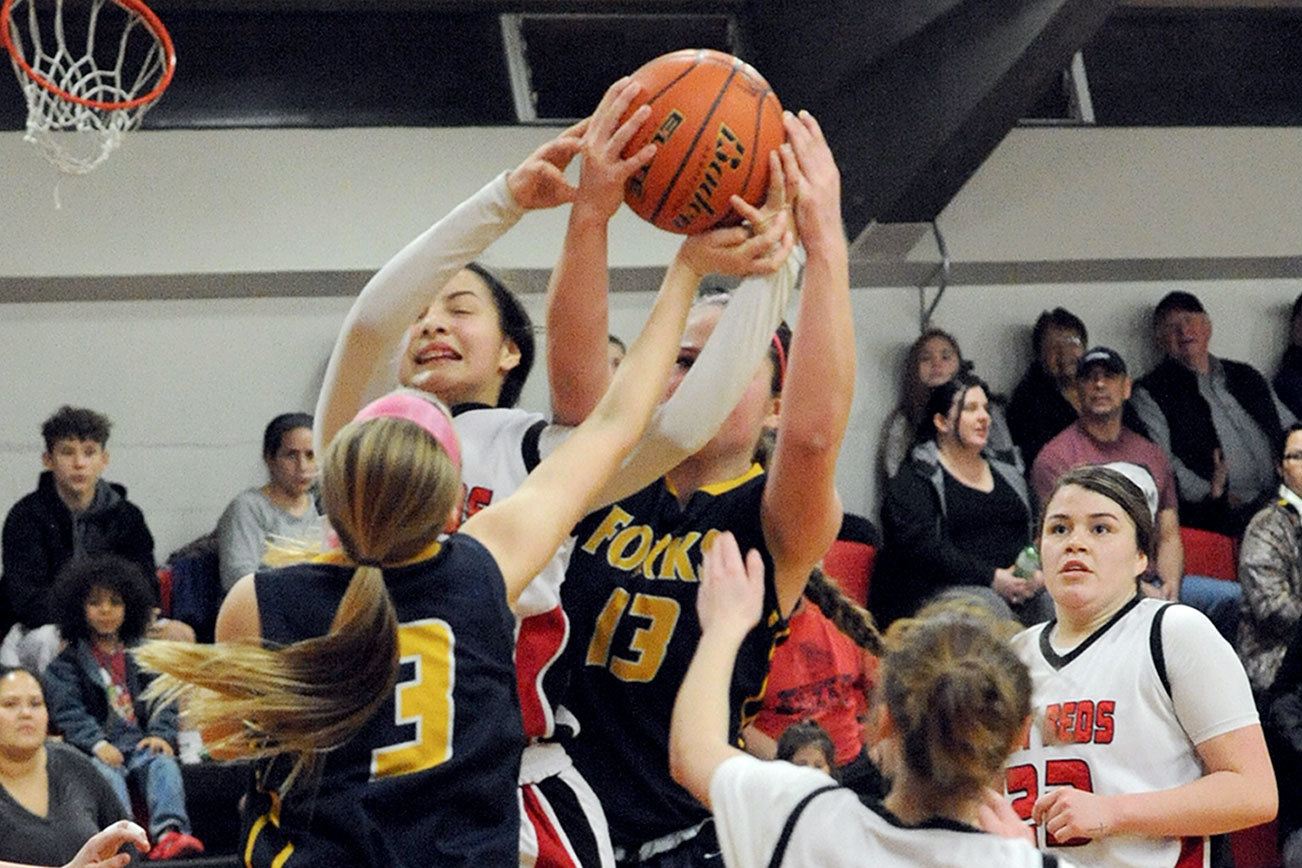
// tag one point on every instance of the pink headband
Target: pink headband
(416, 406)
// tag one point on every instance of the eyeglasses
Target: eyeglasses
(1293, 456)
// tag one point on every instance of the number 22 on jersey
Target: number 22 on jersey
(1023, 783)
(425, 700)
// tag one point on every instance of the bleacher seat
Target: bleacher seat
(1207, 553)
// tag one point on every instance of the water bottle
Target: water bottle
(1028, 561)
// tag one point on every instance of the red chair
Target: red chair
(165, 590)
(851, 565)
(1207, 553)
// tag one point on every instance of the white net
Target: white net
(93, 67)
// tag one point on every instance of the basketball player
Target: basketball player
(1145, 738)
(385, 707)
(955, 700)
(463, 348)
(631, 586)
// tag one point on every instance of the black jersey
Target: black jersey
(630, 592)
(431, 778)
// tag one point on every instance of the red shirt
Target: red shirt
(818, 674)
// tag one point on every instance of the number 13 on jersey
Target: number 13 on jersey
(425, 700)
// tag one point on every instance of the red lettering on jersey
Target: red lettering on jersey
(541, 639)
(478, 498)
(1083, 728)
(1103, 725)
(1067, 773)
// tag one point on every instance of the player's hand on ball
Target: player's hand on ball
(735, 251)
(808, 162)
(997, 817)
(539, 182)
(731, 595)
(604, 170)
(1069, 814)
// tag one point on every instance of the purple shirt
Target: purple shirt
(1074, 448)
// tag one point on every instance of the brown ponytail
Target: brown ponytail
(389, 490)
(959, 697)
(848, 616)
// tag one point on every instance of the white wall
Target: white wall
(190, 382)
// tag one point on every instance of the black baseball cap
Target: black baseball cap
(1185, 302)
(1109, 359)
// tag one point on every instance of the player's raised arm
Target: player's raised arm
(360, 365)
(759, 252)
(524, 531)
(576, 295)
(802, 511)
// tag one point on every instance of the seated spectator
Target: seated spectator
(51, 797)
(1288, 380)
(956, 516)
(806, 744)
(615, 352)
(822, 675)
(282, 508)
(1044, 402)
(72, 514)
(1282, 721)
(1270, 572)
(1216, 419)
(96, 699)
(933, 359)
(1100, 436)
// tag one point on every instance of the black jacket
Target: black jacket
(1037, 413)
(1288, 381)
(38, 541)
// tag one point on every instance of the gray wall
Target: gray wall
(1101, 221)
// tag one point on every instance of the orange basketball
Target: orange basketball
(714, 120)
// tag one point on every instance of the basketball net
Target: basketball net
(87, 78)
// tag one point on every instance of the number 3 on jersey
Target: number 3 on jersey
(424, 700)
(646, 647)
(1022, 782)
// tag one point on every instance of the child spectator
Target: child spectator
(72, 514)
(808, 744)
(94, 689)
(283, 508)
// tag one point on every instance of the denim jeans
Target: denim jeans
(163, 790)
(1217, 599)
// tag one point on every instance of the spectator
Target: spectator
(283, 508)
(51, 797)
(72, 514)
(96, 698)
(1288, 380)
(956, 516)
(822, 675)
(1283, 725)
(806, 744)
(1100, 436)
(1045, 402)
(1270, 572)
(1216, 419)
(615, 352)
(933, 359)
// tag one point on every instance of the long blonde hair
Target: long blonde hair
(389, 490)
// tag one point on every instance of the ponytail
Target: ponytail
(848, 616)
(388, 488)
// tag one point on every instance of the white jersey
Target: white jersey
(753, 799)
(499, 447)
(1122, 712)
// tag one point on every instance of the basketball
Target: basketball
(714, 120)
